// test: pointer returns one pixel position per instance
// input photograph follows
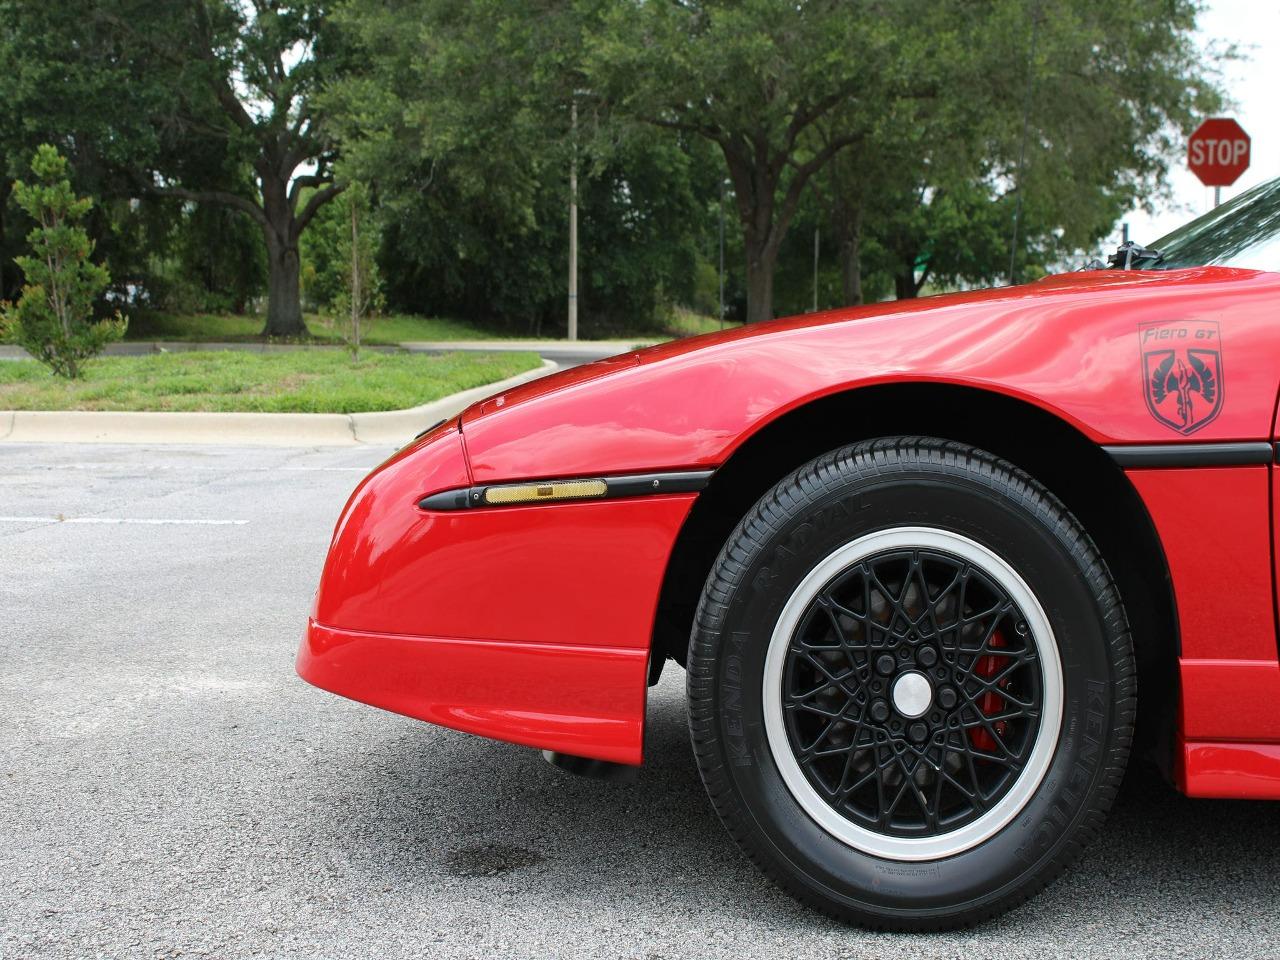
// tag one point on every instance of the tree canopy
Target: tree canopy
(908, 136)
(201, 101)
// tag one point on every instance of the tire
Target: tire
(855, 594)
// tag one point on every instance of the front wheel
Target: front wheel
(911, 685)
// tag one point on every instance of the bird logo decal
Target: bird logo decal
(1182, 374)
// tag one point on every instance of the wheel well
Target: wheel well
(1066, 462)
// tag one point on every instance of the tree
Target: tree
(62, 84)
(843, 192)
(1104, 95)
(213, 101)
(244, 80)
(754, 78)
(1112, 101)
(53, 317)
(419, 120)
(460, 115)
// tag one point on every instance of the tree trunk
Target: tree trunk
(284, 289)
(851, 270)
(284, 298)
(760, 267)
(851, 257)
(754, 189)
(757, 176)
(759, 237)
(904, 285)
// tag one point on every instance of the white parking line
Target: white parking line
(143, 520)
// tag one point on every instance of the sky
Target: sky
(1253, 84)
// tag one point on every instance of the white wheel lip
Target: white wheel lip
(1047, 735)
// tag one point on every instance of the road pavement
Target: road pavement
(170, 788)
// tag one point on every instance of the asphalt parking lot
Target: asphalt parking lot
(169, 787)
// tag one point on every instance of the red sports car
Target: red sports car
(928, 565)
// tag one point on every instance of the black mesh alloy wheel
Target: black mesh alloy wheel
(911, 692)
(911, 685)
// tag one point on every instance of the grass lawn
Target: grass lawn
(686, 323)
(397, 328)
(145, 325)
(305, 381)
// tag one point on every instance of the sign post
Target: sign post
(1217, 153)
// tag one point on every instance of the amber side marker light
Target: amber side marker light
(582, 488)
(538, 492)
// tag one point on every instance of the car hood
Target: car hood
(972, 303)
(1068, 344)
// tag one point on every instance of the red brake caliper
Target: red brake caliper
(990, 702)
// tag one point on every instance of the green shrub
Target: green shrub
(53, 318)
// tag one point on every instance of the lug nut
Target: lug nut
(946, 698)
(879, 711)
(884, 664)
(927, 656)
(918, 732)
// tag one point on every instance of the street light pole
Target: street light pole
(573, 224)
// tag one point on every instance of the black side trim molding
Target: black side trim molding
(1158, 455)
(633, 485)
(643, 484)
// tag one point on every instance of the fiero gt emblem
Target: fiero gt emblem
(1182, 373)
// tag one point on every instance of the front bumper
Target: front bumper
(586, 701)
(530, 624)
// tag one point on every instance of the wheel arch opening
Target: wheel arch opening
(1059, 456)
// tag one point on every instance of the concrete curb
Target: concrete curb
(389, 428)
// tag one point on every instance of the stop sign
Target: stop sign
(1218, 152)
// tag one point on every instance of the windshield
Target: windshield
(1245, 232)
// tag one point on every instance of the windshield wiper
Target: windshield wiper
(1128, 255)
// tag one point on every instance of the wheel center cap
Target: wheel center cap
(912, 694)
